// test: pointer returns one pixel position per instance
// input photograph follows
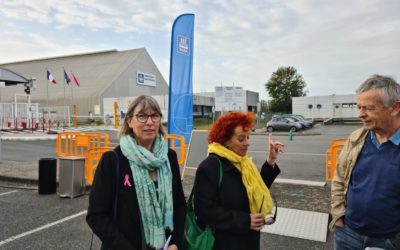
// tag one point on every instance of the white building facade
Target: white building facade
(105, 77)
(325, 107)
(235, 99)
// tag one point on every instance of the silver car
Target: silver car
(304, 123)
(283, 124)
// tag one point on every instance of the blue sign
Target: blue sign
(180, 108)
(140, 78)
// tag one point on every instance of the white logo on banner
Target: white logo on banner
(183, 45)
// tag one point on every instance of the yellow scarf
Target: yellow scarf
(251, 178)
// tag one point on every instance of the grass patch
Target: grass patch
(202, 123)
(205, 123)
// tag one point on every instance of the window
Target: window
(349, 105)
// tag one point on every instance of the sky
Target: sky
(334, 45)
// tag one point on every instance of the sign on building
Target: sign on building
(146, 79)
(230, 98)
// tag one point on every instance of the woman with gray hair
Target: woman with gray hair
(137, 200)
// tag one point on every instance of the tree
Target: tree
(284, 84)
(264, 106)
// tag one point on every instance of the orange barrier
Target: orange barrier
(77, 144)
(90, 145)
(92, 160)
(93, 145)
(93, 156)
(331, 157)
(182, 151)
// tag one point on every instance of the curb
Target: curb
(31, 182)
(285, 133)
(19, 180)
(27, 138)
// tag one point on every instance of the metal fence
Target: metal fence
(16, 116)
(56, 115)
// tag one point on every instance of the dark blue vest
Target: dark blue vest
(373, 197)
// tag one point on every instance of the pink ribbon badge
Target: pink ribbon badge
(126, 182)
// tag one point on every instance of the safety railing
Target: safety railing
(92, 160)
(93, 145)
(331, 157)
(182, 146)
(77, 144)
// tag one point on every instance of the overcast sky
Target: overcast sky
(335, 45)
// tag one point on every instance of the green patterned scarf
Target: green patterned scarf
(156, 214)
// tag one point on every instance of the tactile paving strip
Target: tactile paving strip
(300, 224)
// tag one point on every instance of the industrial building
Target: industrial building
(104, 77)
(325, 107)
(231, 98)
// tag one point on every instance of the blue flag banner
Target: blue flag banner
(180, 106)
(66, 77)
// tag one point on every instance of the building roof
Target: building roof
(94, 71)
(9, 77)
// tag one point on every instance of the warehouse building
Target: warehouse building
(325, 107)
(104, 77)
(235, 98)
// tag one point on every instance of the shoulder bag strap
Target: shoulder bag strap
(116, 189)
(221, 175)
(221, 172)
(115, 196)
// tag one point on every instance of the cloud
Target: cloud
(24, 10)
(335, 45)
(31, 45)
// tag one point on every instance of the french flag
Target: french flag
(50, 78)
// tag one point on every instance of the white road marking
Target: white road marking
(301, 182)
(285, 153)
(10, 192)
(41, 228)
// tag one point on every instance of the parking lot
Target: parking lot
(32, 221)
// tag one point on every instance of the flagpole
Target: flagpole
(64, 99)
(47, 99)
(72, 96)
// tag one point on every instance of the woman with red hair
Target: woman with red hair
(230, 194)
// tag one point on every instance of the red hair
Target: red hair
(223, 128)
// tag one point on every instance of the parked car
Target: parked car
(304, 123)
(299, 118)
(283, 124)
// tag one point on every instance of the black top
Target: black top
(127, 232)
(226, 209)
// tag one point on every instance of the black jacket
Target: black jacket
(226, 208)
(127, 232)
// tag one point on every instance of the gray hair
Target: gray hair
(388, 88)
(143, 102)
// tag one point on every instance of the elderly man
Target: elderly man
(365, 203)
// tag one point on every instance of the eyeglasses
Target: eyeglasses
(271, 220)
(145, 117)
